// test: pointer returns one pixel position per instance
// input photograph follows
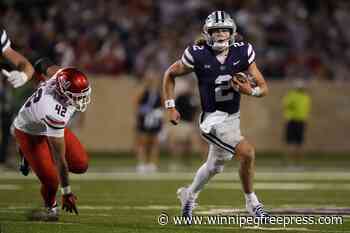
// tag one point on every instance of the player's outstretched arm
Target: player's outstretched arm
(58, 149)
(25, 69)
(175, 70)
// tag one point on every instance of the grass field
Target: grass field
(112, 198)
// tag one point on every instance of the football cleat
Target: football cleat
(257, 211)
(187, 201)
(51, 214)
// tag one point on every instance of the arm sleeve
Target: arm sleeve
(5, 42)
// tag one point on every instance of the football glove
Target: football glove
(15, 77)
(69, 203)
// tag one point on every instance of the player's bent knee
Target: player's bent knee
(80, 168)
(219, 169)
(245, 151)
(248, 154)
(215, 169)
(78, 162)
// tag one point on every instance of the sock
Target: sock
(252, 198)
(201, 178)
(49, 194)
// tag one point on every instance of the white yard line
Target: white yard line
(282, 186)
(10, 187)
(80, 214)
(271, 176)
(26, 222)
(83, 207)
(201, 209)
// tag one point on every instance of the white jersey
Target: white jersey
(44, 113)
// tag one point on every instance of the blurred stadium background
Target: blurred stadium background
(117, 41)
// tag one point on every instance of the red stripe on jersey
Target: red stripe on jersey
(52, 126)
(53, 121)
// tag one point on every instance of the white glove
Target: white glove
(15, 77)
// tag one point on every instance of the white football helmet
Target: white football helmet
(219, 19)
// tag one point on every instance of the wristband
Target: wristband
(256, 91)
(66, 190)
(169, 103)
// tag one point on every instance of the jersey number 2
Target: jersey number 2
(223, 89)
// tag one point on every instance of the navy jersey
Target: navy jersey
(214, 78)
(4, 41)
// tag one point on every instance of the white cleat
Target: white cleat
(257, 211)
(50, 214)
(187, 201)
(53, 213)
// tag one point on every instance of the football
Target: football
(241, 76)
(246, 77)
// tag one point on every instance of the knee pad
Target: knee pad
(215, 168)
(216, 160)
(219, 168)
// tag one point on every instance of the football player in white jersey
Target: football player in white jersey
(25, 70)
(50, 148)
(218, 64)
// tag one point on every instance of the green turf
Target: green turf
(133, 204)
(270, 160)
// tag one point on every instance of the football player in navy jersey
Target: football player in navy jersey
(17, 78)
(219, 64)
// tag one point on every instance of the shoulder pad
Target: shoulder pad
(250, 53)
(4, 41)
(190, 56)
(246, 51)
